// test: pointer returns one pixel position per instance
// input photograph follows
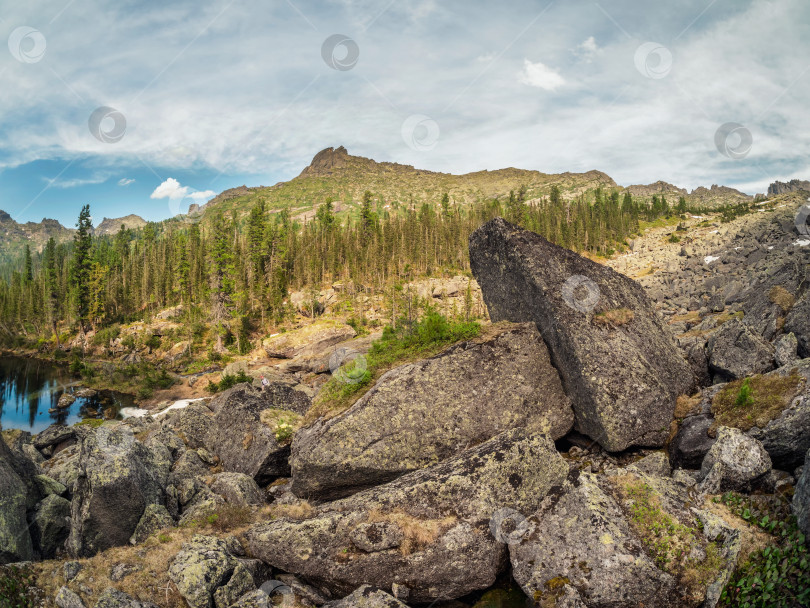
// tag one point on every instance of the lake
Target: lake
(30, 388)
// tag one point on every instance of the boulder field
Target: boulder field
(571, 455)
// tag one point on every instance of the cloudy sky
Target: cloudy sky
(145, 107)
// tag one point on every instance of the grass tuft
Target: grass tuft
(754, 401)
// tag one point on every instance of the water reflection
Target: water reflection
(30, 391)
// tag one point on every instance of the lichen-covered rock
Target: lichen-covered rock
(15, 540)
(367, 597)
(237, 489)
(51, 525)
(202, 566)
(118, 478)
(65, 598)
(154, 519)
(785, 350)
(243, 443)
(191, 423)
(312, 338)
(583, 538)
(112, 598)
(736, 351)
(444, 513)
(801, 498)
(797, 322)
(691, 443)
(422, 413)
(617, 359)
(735, 462)
(241, 582)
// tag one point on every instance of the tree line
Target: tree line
(235, 274)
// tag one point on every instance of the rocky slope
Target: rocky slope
(444, 483)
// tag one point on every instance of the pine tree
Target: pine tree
(82, 245)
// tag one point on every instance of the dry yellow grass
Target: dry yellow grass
(614, 318)
(769, 396)
(782, 298)
(298, 511)
(418, 533)
(687, 406)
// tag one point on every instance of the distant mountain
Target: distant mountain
(715, 196)
(793, 185)
(14, 236)
(113, 226)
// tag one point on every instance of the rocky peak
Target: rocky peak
(326, 160)
(777, 188)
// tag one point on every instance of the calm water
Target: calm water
(29, 388)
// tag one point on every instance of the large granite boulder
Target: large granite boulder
(308, 340)
(207, 575)
(735, 462)
(444, 547)
(118, 478)
(623, 540)
(691, 443)
(736, 351)
(367, 597)
(422, 413)
(243, 443)
(15, 539)
(798, 323)
(617, 359)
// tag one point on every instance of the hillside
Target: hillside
(112, 226)
(14, 236)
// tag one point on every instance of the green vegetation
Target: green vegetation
(233, 271)
(406, 340)
(16, 586)
(283, 423)
(228, 381)
(777, 576)
(669, 542)
(754, 401)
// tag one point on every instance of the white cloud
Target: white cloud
(204, 195)
(171, 189)
(588, 50)
(125, 181)
(73, 183)
(541, 76)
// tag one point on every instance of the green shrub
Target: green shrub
(16, 585)
(153, 342)
(103, 337)
(744, 398)
(777, 576)
(228, 381)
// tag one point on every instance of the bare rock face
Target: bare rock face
(310, 340)
(243, 443)
(736, 351)
(735, 462)
(422, 413)
(367, 597)
(15, 540)
(801, 498)
(617, 360)
(445, 547)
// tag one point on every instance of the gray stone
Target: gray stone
(367, 597)
(801, 498)
(112, 598)
(51, 525)
(452, 503)
(15, 540)
(65, 598)
(422, 413)
(735, 462)
(202, 566)
(785, 350)
(691, 443)
(237, 489)
(623, 378)
(736, 352)
(155, 518)
(797, 322)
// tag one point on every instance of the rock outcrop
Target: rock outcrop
(444, 514)
(617, 360)
(15, 539)
(422, 413)
(242, 441)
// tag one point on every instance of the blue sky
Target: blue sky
(206, 95)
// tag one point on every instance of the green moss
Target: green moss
(754, 401)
